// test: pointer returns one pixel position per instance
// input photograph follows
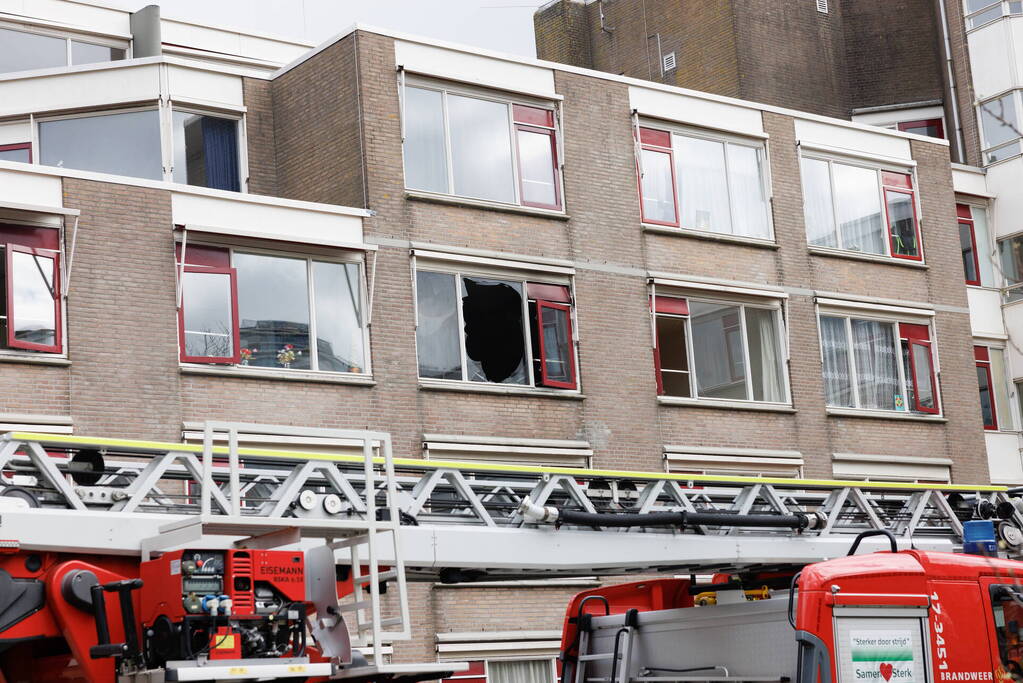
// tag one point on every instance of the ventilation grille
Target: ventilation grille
(669, 60)
(822, 6)
(244, 601)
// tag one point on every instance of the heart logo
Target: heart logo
(886, 671)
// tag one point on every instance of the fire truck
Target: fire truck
(138, 561)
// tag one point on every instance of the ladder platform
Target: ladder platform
(244, 525)
(381, 672)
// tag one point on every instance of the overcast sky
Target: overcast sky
(502, 25)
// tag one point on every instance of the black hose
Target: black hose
(682, 519)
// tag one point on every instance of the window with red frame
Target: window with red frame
(715, 350)
(854, 207)
(31, 305)
(933, 128)
(274, 310)
(918, 364)
(20, 152)
(861, 364)
(703, 182)
(968, 244)
(985, 383)
(480, 147)
(900, 209)
(504, 331)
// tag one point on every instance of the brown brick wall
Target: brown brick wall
(892, 52)
(259, 129)
(563, 33)
(121, 313)
(861, 53)
(321, 95)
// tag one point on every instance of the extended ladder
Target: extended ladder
(456, 521)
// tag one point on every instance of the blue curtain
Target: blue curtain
(220, 148)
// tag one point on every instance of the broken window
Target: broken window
(500, 331)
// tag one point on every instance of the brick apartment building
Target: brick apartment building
(943, 68)
(491, 258)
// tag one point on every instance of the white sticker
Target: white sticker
(882, 656)
(175, 567)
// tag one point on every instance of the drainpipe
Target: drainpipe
(952, 91)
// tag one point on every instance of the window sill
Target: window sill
(34, 359)
(726, 405)
(873, 258)
(499, 389)
(452, 200)
(712, 236)
(884, 415)
(287, 375)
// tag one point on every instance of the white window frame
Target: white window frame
(1007, 288)
(726, 139)
(309, 257)
(878, 168)
(508, 99)
(1006, 7)
(511, 657)
(68, 37)
(165, 114)
(461, 269)
(895, 320)
(771, 304)
(986, 148)
(238, 118)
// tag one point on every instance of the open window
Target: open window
(495, 329)
(900, 210)
(713, 349)
(985, 384)
(30, 306)
(918, 361)
(854, 207)
(466, 143)
(697, 180)
(861, 357)
(32, 279)
(260, 308)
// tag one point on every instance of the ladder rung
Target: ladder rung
(382, 576)
(352, 606)
(594, 658)
(390, 621)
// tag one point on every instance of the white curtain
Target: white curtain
(703, 189)
(749, 207)
(527, 671)
(859, 209)
(820, 211)
(765, 355)
(876, 370)
(835, 347)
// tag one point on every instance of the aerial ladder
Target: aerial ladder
(153, 561)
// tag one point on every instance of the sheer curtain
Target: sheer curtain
(749, 207)
(527, 671)
(820, 211)
(835, 347)
(765, 355)
(875, 355)
(859, 208)
(703, 189)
